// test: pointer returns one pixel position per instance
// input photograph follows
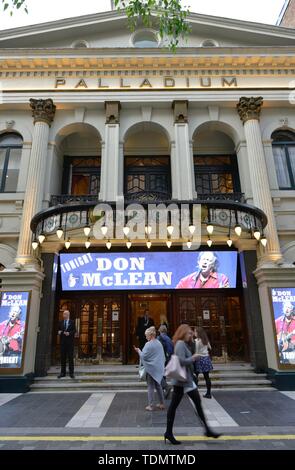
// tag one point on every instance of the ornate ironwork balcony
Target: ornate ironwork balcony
(148, 196)
(237, 197)
(65, 199)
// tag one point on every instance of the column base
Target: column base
(282, 380)
(16, 384)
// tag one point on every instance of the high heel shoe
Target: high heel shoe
(210, 433)
(171, 439)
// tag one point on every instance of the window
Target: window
(80, 44)
(81, 176)
(145, 38)
(10, 154)
(216, 174)
(147, 175)
(284, 156)
(209, 43)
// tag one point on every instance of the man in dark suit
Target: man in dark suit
(67, 332)
(143, 323)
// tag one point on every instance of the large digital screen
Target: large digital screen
(283, 302)
(13, 319)
(148, 270)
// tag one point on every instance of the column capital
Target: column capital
(43, 110)
(112, 112)
(249, 108)
(180, 111)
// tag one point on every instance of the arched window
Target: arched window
(209, 43)
(10, 154)
(284, 155)
(145, 38)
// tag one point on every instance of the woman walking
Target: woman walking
(153, 359)
(182, 336)
(203, 364)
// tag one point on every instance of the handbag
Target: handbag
(174, 370)
(141, 372)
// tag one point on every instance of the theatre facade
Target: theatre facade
(128, 173)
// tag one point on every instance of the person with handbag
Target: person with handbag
(152, 357)
(187, 385)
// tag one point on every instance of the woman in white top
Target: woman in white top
(203, 364)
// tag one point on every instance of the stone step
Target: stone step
(72, 384)
(134, 377)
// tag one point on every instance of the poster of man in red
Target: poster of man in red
(284, 314)
(13, 313)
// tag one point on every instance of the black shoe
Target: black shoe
(171, 439)
(210, 433)
(207, 395)
(61, 375)
(72, 376)
(167, 393)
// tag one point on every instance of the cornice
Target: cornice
(234, 59)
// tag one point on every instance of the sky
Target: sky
(40, 11)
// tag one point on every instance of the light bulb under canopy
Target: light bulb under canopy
(170, 229)
(209, 242)
(169, 243)
(126, 230)
(87, 230)
(148, 229)
(148, 244)
(263, 241)
(41, 238)
(67, 244)
(108, 245)
(189, 244)
(257, 234)
(229, 242)
(87, 244)
(128, 244)
(59, 233)
(104, 230)
(35, 244)
(191, 228)
(210, 229)
(238, 230)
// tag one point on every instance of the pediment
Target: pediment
(109, 30)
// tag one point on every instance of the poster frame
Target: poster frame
(19, 370)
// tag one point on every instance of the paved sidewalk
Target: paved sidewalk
(248, 420)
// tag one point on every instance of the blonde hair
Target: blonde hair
(151, 331)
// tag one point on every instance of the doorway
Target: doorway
(158, 307)
(222, 318)
(98, 337)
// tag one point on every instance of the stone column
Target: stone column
(110, 164)
(46, 317)
(181, 155)
(43, 113)
(249, 112)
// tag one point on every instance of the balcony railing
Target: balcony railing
(237, 197)
(72, 199)
(144, 197)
